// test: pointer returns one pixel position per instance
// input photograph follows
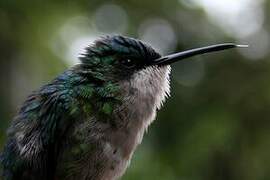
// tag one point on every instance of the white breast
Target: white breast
(145, 94)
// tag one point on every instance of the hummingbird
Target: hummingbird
(87, 122)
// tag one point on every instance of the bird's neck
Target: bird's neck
(144, 94)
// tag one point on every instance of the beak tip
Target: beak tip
(242, 45)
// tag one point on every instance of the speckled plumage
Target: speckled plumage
(88, 121)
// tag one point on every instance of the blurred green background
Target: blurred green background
(216, 124)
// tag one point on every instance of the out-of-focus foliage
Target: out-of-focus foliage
(216, 123)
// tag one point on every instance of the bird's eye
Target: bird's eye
(129, 63)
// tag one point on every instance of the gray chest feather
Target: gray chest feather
(106, 151)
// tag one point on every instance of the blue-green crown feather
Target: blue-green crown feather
(118, 45)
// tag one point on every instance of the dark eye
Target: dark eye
(129, 63)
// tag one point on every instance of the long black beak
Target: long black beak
(165, 60)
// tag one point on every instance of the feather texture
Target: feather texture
(87, 122)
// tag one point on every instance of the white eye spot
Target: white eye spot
(128, 63)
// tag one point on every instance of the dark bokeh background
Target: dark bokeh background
(216, 124)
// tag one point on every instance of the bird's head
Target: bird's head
(118, 57)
